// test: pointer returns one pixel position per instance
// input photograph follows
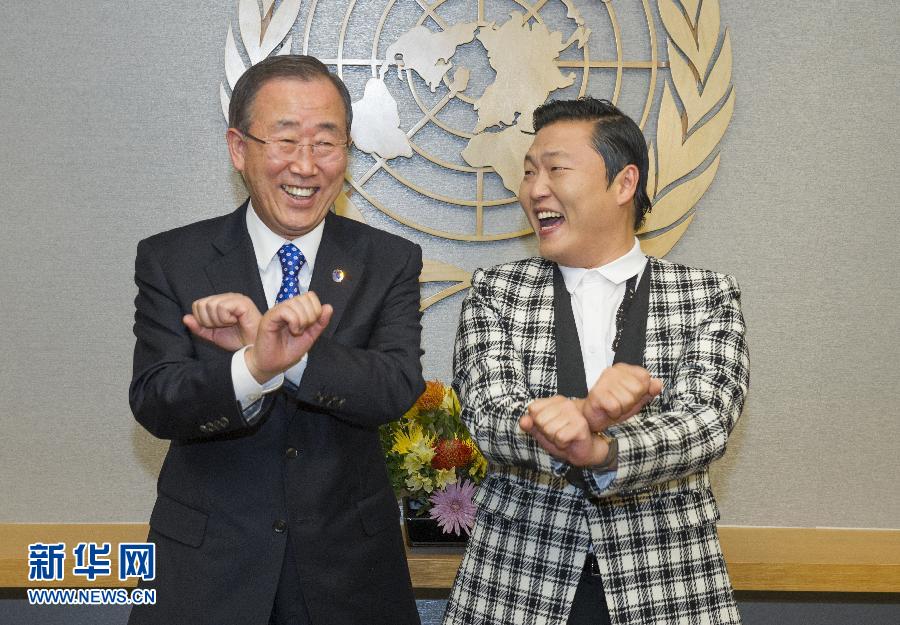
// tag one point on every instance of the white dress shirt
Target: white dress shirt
(265, 247)
(596, 296)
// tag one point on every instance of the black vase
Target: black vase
(423, 531)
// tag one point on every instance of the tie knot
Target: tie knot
(292, 260)
(290, 256)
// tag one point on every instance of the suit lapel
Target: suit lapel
(656, 320)
(569, 361)
(236, 271)
(634, 326)
(339, 269)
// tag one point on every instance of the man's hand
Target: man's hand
(559, 426)
(620, 393)
(228, 320)
(286, 333)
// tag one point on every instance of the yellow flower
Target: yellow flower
(432, 397)
(479, 463)
(451, 402)
(406, 439)
(444, 477)
(422, 450)
(412, 413)
(418, 482)
(418, 455)
(413, 442)
(412, 464)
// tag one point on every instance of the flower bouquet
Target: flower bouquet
(434, 466)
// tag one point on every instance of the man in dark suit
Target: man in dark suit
(600, 384)
(274, 504)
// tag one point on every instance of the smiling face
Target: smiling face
(580, 221)
(292, 196)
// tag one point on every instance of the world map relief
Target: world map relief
(503, 128)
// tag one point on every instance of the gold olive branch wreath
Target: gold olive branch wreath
(679, 174)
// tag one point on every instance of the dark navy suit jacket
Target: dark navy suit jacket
(309, 474)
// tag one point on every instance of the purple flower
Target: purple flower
(453, 508)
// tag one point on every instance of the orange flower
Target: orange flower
(433, 396)
(451, 453)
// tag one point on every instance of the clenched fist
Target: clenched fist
(559, 426)
(229, 320)
(619, 393)
(286, 333)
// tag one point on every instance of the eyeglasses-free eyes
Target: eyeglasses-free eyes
(289, 149)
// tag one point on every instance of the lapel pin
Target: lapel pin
(338, 275)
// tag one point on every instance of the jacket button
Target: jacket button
(291, 452)
(279, 526)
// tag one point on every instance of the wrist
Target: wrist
(258, 374)
(607, 451)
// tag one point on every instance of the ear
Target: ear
(626, 184)
(236, 147)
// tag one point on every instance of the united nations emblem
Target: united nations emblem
(443, 95)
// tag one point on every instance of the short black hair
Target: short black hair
(299, 66)
(616, 138)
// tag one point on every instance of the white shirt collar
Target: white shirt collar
(617, 271)
(266, 243)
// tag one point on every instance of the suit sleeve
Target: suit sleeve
(699, 409)
(173, 393)
(371, 385)
(489, 377)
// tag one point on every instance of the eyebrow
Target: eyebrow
(550, 154)
(290, 123)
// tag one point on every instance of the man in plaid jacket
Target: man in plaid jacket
(600, 384)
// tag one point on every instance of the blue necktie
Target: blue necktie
(291, 260)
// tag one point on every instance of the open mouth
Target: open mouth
(549, 220)
(299, 192)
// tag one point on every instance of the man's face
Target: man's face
(578, 218)
(292, 196)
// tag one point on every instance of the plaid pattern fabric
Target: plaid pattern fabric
(653, 528)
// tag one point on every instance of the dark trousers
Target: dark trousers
(290, 606)
(589, 605)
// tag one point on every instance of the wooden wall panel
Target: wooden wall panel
(758, 558)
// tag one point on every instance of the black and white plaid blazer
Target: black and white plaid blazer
(653, 528)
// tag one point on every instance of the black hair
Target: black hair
(302, 67)
(616, 138)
